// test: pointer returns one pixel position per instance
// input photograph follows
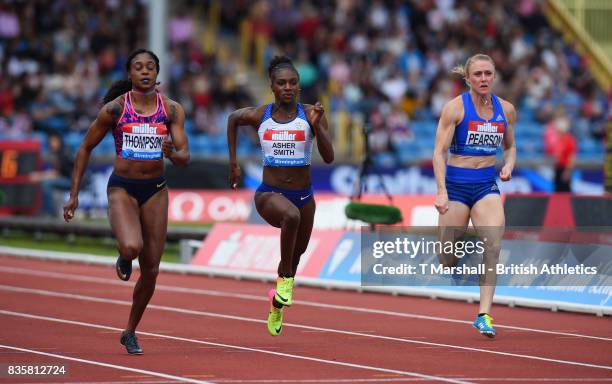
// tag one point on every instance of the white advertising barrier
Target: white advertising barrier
(210, 206)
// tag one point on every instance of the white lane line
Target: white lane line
(114, 366)
(300, 357)
(393, 380)
(381, 380)
(299, 326)
(209, 292)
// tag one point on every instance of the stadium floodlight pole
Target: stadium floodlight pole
(158, 37)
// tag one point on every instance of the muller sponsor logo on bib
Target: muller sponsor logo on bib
(284, 135)
(485, 133)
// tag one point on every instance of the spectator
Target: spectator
(560, 144)
(57, 178)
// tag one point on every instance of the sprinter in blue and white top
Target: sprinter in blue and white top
(285, 198)
(476, 136)
(286, 144)
(473, 126)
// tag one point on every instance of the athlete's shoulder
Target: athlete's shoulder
(113, 109)
(508, 108)
(173, 108)
(169, 102)
(249, 115)
(453, 110)
(256, 112)
(456, 102)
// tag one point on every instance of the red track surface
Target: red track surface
(213, 330)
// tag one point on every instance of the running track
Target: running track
(201, 329)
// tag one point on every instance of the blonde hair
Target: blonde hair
(464, 70)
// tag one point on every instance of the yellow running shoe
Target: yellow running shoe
(275, 317)
(284, 291)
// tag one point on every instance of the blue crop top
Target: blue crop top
(475, 136)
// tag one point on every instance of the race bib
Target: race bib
(284, 147)
(143, 141)
(483, 134)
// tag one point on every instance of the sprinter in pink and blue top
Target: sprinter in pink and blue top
(147, 127)
(474, 125)
(285, 199)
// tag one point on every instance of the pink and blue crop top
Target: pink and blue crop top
(139, 137)
(285, 144)
(475, 136)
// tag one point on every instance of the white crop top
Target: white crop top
(285, 144)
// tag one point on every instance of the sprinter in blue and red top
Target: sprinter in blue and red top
(474, 125)
(285, 198)
(142, 122)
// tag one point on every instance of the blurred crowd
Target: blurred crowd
(58, 58)
(386, 64)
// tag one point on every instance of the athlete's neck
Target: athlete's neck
(482, 100)
(147, 93)
(285, 107)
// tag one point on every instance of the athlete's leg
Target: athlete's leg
(451, 226)
(154, 219)
(304, 230)
(124, 217)
(279, 212)
(488, 219)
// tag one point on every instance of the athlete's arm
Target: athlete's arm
(444, 134)
(179, 138)
(245, 116)
(107, 119)
(318, 122)
(509, 143)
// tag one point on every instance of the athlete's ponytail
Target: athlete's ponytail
(117, 89)
(464, 70)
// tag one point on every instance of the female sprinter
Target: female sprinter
(141, 120)
(474, 125)
(285, 198)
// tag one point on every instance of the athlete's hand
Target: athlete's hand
(70, 207)
(316, 113)
(167, 148)
(234, 175)
(441, 203)
(506, 173)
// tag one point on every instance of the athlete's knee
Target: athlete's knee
(291, 218)
(130, 249)
(491, 253)
(149, 272)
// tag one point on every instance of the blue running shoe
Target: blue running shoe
(130, 341)
(484, 325)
